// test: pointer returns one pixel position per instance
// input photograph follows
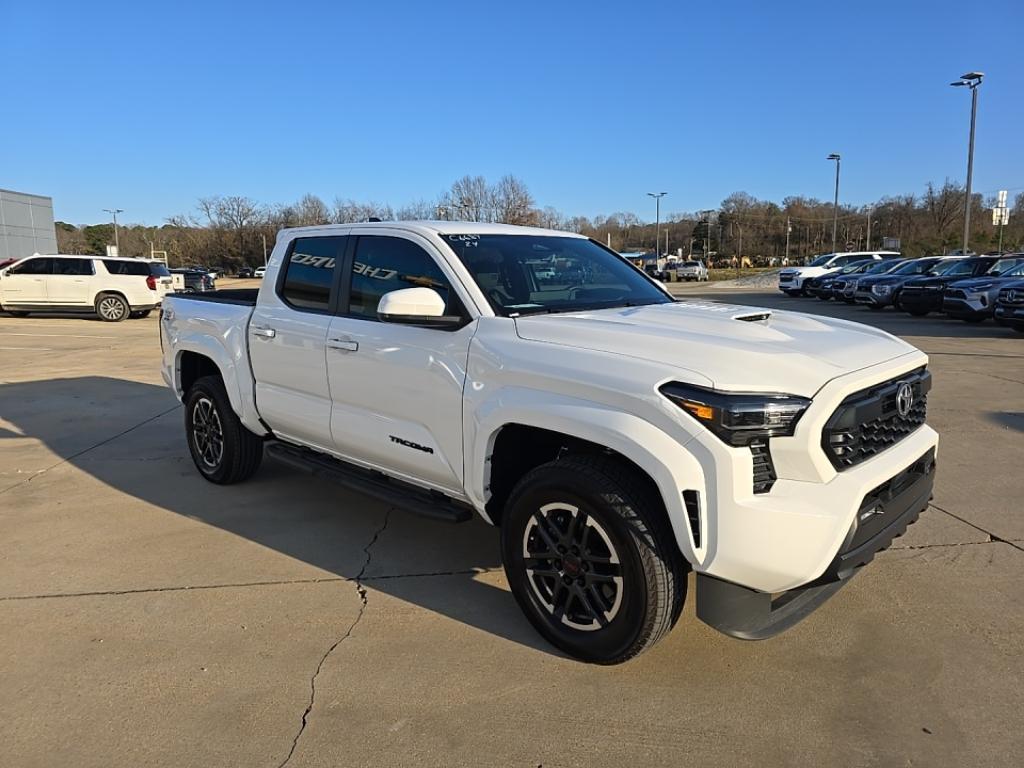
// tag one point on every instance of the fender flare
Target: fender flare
(231, 373)
(666, 460)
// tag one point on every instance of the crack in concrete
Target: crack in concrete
(245, 584)
(37, 473)
(361, 591)
(942, 546)
(992, 538)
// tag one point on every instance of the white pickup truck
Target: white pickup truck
(619, 438)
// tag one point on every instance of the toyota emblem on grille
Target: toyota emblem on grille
(904, 399)
(1011, 295)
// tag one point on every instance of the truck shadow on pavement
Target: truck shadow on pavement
(130, 436)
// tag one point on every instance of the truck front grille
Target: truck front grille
(869, 421)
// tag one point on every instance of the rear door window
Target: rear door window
(75, 267)
(309, 272)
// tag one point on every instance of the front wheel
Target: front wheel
(591, 559)
(223, 450)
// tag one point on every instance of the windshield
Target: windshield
(1004, 266)
(508, 269)
(882, 267)
(944, 266)
(821, 260)
(915, 267)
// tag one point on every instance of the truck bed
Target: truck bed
(245, 297)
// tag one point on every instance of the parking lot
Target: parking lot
(148, 617)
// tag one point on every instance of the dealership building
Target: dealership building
(26, 225)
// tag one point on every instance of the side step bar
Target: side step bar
(411, 498)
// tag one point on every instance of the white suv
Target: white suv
(113, 288)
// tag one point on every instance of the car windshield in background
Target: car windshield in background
(915, 267)
(1004, 266)
(881, 267)
(525, 274)
(821, 260)
(944, 266)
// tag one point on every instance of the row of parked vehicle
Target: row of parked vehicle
(968, 288)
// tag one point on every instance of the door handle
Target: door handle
(346, 345)
(266, 333)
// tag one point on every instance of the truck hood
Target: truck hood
(738, 348)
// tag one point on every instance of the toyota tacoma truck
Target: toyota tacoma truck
(618, 438)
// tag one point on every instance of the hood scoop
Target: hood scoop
(753, 317)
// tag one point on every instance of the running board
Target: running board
(411, 498)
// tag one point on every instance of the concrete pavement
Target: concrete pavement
(150, 618)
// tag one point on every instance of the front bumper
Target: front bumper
(883, 515)
(869, 297)
(930, 301)
(965, 308)
(1012, 316)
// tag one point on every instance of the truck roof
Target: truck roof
(438, 228)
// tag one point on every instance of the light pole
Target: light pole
(867, 246)
(971, 80)
(835, 205)
(113, 212)
(789, 230)
(657, 219)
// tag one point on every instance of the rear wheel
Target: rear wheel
(591, 559)
(223, 450)
(112, 307)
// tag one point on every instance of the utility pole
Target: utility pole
(868, 245)
(113, 212)
(835, 205)
(264, 248)
(657, 219)
(971, 80)
(788, 230)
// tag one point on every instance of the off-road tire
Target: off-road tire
(240, 451)
(612, 495)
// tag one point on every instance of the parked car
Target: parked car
(820, 287)
(973, 300)
(844, 287)
(791, 279)
(245, 272)
(114, 288)
(259, 272)
(692, 269)
(922, 295)
(880, 291)
(1009, 309)
(191, 280)
(619, 438)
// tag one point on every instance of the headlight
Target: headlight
(881, 290)
(739, 419)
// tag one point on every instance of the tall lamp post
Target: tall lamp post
(835, 204)
(970, 80)
(657, 220)
(113, 212)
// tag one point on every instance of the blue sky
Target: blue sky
(149, 106)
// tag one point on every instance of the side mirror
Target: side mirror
(416, 306)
